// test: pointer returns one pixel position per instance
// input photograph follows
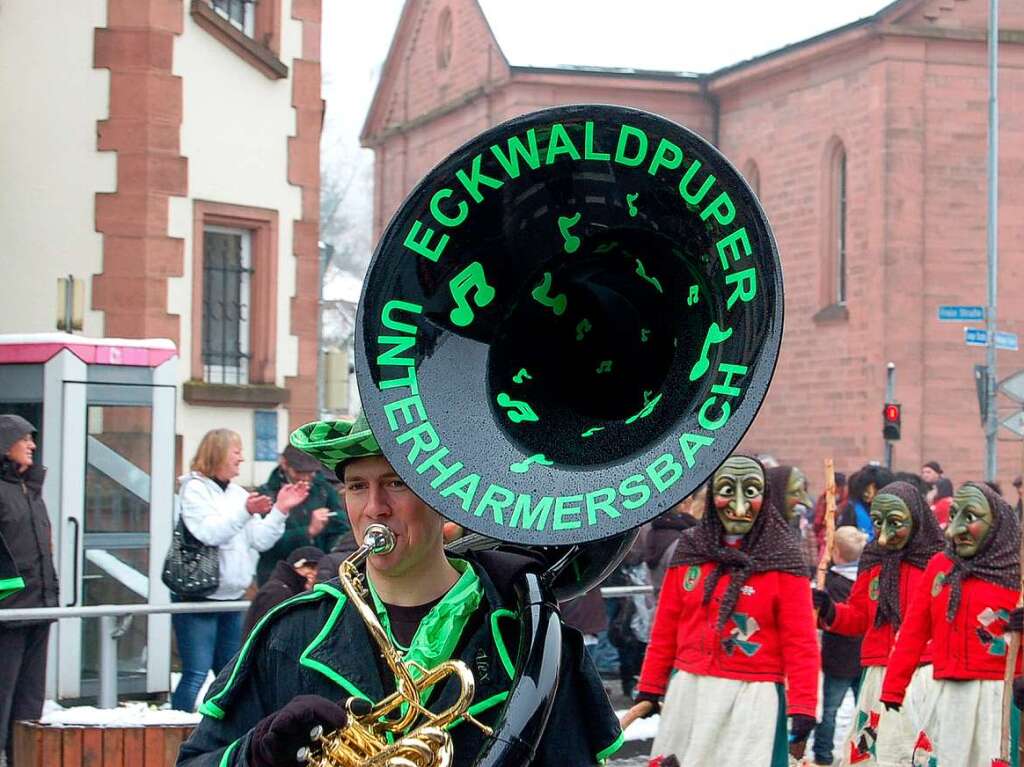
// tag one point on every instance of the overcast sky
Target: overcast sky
(674, 35)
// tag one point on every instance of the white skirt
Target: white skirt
(886, 738)
(707, 720)
(961, 723)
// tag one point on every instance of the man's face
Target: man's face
(738, 489)
(971, 521)
(309, 573)
(892, 521)
(796, 493)
(21, 452)
(294, 475)
(375, 493)
(929, 475)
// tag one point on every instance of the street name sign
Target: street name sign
(979, 337)
(962, 313)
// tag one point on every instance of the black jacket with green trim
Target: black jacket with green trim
(317, 644)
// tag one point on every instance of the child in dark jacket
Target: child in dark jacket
(840, 655)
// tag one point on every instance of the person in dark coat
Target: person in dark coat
(32, 582)
(314, 651)
(291, 576)
(318, 521)
(840, 655)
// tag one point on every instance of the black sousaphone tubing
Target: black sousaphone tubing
(569, 324)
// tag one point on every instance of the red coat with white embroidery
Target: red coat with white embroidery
(971, 646)
(770, 636)
(856, 616)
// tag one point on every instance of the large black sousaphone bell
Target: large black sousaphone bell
(569, 324)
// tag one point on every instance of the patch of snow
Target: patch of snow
(641, 729)
(130, 714)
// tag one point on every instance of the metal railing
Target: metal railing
(115, 620)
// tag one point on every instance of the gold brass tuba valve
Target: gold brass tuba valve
(420, 735)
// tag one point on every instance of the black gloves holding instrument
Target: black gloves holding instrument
(278, 739)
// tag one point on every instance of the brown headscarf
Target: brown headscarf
(925, 541)
(998, 559)
(771, 544)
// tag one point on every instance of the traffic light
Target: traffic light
(891, 421)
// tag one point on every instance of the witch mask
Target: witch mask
(892, 520)
(971, 521)
(738, 489)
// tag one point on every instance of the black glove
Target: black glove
(800, 727)
(890, 706)
(276, 739)
(649, 697)
(1018, 692)
(824, 605)
(1016, 620)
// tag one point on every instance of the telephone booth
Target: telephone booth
(104, 409)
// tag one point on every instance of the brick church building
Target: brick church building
(867, 147)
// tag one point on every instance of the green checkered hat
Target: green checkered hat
(335, 442)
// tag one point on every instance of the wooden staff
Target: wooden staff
(1011, 664)
(830, 522)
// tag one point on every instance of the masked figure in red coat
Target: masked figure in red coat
(906, 538)
(963, 606)
(733, 648)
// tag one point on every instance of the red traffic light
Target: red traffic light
(891, 421)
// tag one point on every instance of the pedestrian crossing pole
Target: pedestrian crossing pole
(992, 416)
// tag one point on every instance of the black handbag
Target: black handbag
(192, 569)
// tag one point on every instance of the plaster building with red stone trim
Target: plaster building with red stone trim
(867, 148)
(166, 153)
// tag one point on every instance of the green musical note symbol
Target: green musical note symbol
(645, 333)
(470, 280)
(694, 295)
(565, 223)
(604, 367)
(648, 408)
(582, 328)
(643, 274)
(715, 336)
(519, 411)
(518, 377)
(539, 459)
(592, 431)
(630, 199)
(540, 295)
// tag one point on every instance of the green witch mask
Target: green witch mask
(892, 521)
(971, 521)
(738, 489)
(796, 492)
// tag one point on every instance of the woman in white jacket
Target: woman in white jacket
(220, 513)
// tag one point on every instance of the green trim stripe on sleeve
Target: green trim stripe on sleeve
(604, 753)
(482, 705)
(210, 706)
(499, 641)
(225, 761)
(10, 586)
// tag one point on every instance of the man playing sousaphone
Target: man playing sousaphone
(314, 652)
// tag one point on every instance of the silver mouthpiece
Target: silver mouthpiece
(379, 538)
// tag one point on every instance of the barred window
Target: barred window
(227, 272)
(241, 13)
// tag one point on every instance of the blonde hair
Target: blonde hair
(213, 451)
(849, 543)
